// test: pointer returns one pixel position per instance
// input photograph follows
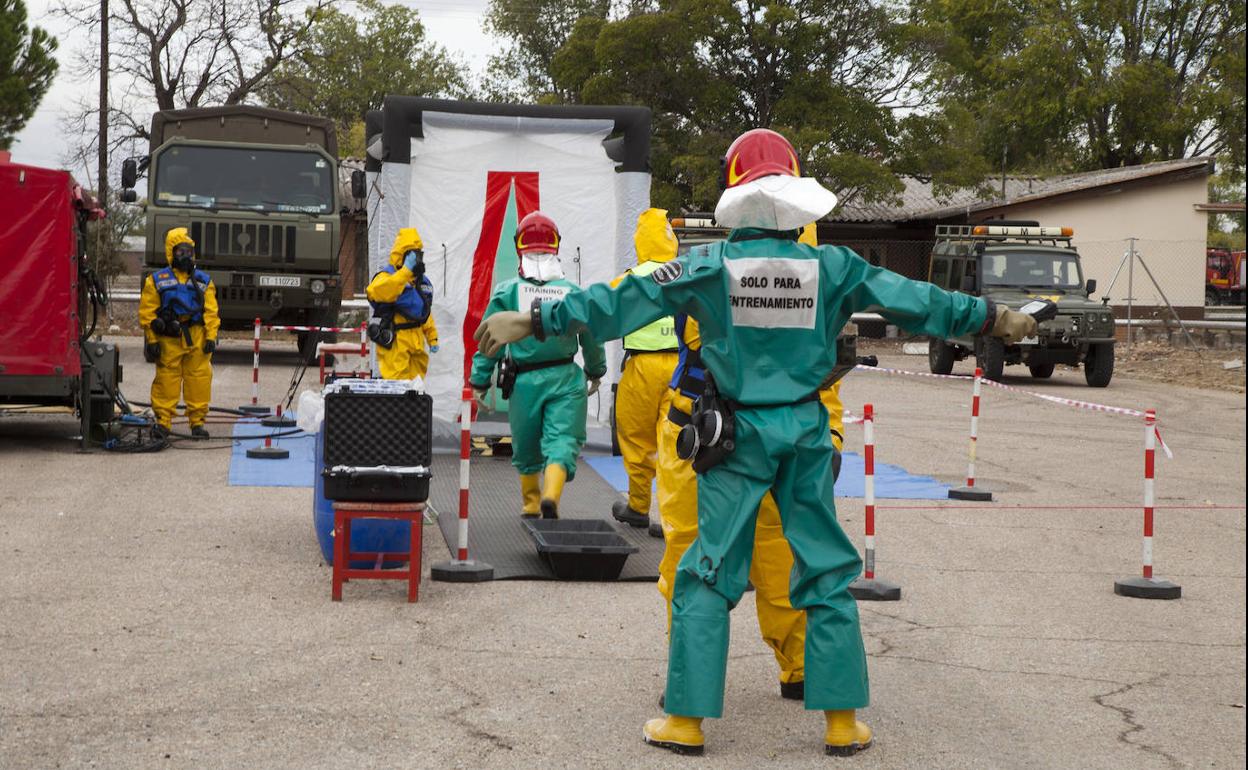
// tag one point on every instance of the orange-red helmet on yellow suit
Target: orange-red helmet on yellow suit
(537, 234)
(757, 153)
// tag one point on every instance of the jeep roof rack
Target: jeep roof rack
(995, 232)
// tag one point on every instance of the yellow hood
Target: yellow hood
(407, 240)
(174, 237)
(654, 239)
(808, 235)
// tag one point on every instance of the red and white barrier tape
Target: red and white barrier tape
(332, 329)
(1071, 402)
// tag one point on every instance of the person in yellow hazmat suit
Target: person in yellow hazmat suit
(831, 396)
(178, 313)
(650, 357)
(401, 296)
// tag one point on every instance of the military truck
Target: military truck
(1012, 263)
(258, 190)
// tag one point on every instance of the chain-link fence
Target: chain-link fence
(1177, 266)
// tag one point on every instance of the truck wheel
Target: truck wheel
(991, 357)
(1212, 298)
(940, 356)
(1098, 364)
(1042, 371)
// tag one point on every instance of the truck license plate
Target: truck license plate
(280, 280)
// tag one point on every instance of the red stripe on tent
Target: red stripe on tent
(498, 186)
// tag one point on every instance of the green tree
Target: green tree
(831, 75)
(26, 69)
(352, 62)
(1083, 84)
(536, 30)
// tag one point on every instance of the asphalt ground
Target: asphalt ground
(153, 616)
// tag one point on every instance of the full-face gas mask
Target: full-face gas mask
(183, 258)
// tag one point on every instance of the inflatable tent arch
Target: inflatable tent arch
(464, 172)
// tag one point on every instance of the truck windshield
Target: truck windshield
(242, 178)
(1045, 269)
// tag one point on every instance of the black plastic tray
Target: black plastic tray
(580, 549)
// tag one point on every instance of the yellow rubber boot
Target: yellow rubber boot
(531, 488)
(552, 489)
(682, 735)
(846, 736)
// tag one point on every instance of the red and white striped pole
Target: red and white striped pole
(254, 407)
(465, 455)
(1150, 467)
(867, 588)
(969, 492)
(461, 569)
(1148, 587)
(868, 483)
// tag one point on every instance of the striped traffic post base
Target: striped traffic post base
(254, 407)
(462, 569)
(970, 491)
(1146, 586)
(867, 588)
(277, 420)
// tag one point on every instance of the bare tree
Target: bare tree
(170, 54)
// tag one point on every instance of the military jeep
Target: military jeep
(1011, 264)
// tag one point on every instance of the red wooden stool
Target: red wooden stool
(414, 513)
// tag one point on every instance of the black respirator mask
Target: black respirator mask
(381, 332)
(710, 436)
(183, 258)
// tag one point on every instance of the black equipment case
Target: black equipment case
(378, 445)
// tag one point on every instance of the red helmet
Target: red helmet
(757, 153)
(537, 233)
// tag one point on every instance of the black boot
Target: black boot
(655, 529)
(199, 433)
(621, 512)
(793, 690)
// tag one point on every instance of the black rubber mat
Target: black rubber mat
(496, 535)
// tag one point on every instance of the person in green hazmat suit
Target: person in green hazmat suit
(769, 310)
(549, 397)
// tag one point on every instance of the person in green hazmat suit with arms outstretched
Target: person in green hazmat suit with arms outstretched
(547, 402)
(769, 310)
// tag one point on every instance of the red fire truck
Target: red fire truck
(1224, 277)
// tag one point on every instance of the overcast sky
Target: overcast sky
(454, 24)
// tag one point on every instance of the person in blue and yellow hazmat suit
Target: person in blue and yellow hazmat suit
(769, 310)
(401, 296)
(783, 627)
(548, 395)
(650, 357)
(178, 313)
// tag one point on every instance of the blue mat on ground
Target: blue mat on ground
(891, 481)
(294, 471)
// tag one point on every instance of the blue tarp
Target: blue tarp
(891, 481)
(295, 471)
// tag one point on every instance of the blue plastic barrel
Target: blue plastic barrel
(367, 535)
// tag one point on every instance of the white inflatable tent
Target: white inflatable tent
(463, 173)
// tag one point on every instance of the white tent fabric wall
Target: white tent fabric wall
(445, 200)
